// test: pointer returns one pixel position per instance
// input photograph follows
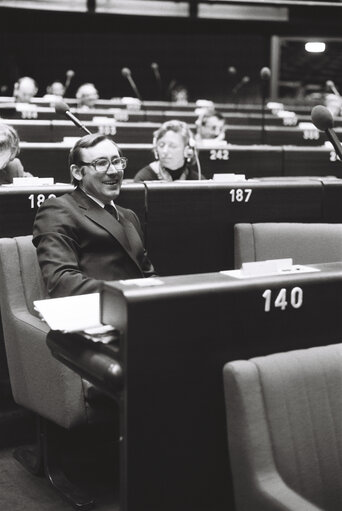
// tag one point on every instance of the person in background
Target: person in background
(55, 89)
(84, 238)
(333, 104)
(175, 154)
(10, 165)
(210, 127)
(87, 96)
(25, 89)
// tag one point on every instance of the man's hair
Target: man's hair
(202, 119)
(9, 140)
(75, 156)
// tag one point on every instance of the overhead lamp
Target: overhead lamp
(315, 47)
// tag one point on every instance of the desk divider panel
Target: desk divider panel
(311, 161)
(190, 224)
(253, 161)
(175, 339)
(19, 205)
(332, 200)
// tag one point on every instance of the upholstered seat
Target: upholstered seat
(39, 382)
(305, 243)
(284, 423)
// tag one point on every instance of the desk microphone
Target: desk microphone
(156, 72)
(69, 76)
(126, 73)
(265, 76)
(330, 84)
(62, 108)
(241, 83)
(323, 120)
(232, 70)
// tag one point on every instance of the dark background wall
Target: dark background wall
(193, 52)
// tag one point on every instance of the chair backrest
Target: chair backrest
(18, 256)
(305, 243)
(39, 382)
(284, 422)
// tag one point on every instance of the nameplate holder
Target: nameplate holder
(268, 268)
(33, 181)
(229, 177)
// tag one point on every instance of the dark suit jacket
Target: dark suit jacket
(79, 245)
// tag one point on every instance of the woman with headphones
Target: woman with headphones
(175, 155)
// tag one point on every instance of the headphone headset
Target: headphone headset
(189, 149)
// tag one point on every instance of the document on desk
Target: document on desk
(72, 313)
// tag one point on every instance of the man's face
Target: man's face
(57, 89)
(25, 91)
(212, 128)
(89, 97)
(105, 186)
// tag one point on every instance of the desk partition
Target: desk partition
(51, 159)
(142, 132)
(190, 224)
(175, 337)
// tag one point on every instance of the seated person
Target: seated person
(179, 95)
(174, 152)
(83, 238)
(210, 127)
(25, 89)
(87, 96)
(10, 165)
(333, 104)
(54, 91)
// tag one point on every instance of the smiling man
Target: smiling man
(84, 238)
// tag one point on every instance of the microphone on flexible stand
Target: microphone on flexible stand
(62, 108)
(265, 75)
(126, 73)
(330, 85)
(241, 83)
(156, 72)
(324, 121)
(69, 76)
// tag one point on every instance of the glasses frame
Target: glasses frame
(123, 163)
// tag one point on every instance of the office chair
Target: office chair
(284, 423)
(59, 397)
(305, 243)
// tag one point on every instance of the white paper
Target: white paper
(72, 313)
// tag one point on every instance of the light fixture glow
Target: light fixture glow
(315, 47)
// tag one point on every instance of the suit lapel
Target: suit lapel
(102, 218)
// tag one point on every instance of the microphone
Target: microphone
(265, 75)
(62, 108)
(330, 84)
(155, 69)
(126, 73)
(241, 83)
(69, 76)
(323, 120)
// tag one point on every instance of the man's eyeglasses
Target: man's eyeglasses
(103, 164)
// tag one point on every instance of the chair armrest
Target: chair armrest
(273, 494)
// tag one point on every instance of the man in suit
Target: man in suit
(83, 238)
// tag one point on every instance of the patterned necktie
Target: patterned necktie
(113, 211)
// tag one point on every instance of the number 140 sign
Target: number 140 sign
(285, 298)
